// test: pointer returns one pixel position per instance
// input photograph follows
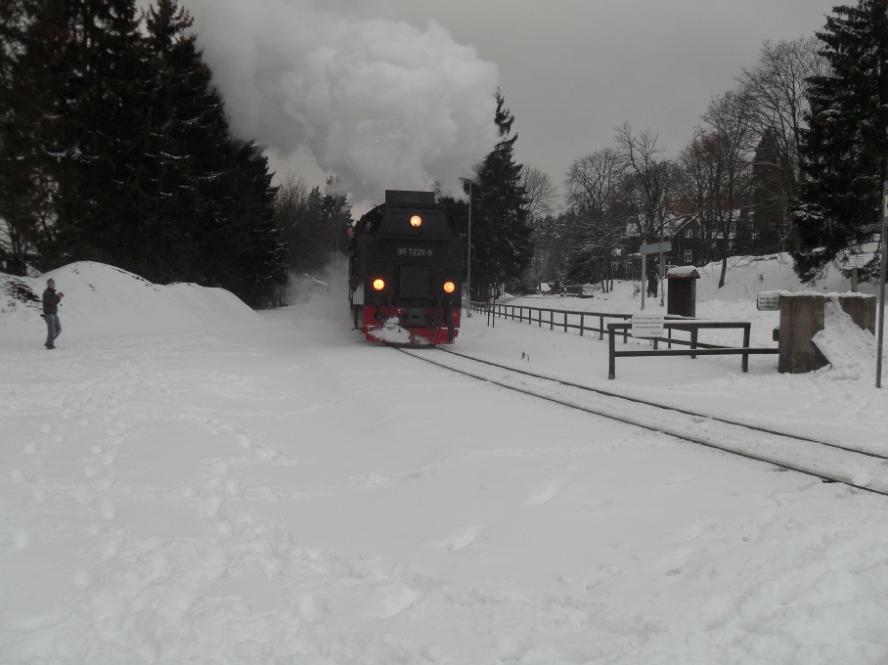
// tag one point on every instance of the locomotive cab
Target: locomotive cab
(405, 266)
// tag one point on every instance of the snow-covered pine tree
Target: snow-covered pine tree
(100, 163)
(191, 139)
(844, 150)
(767, 213)
(213, 210)
(18, 222)
(501, 240)
(245, 254)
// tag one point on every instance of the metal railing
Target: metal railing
(585, 321)
(697, 348)
(562, 319)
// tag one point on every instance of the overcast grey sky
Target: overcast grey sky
(570, 70)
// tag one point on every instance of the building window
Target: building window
(688, 256)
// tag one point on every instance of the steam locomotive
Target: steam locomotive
(405, 265)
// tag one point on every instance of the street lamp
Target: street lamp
(471, 183)
(883, 268)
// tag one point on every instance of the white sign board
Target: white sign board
(857, 260)
(768, 301)
(655, 247)
(647, 325)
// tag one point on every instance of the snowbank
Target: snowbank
(101, 300)
(748, 275)
(849, 348)
(746, 278)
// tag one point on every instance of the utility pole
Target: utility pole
(643, 278)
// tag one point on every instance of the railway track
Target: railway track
(826, 460)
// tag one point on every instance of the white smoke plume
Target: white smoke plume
(377, 103)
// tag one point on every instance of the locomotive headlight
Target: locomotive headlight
(449, 287)
(416, 221)
(378, 284)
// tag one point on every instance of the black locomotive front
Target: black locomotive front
(405, 266)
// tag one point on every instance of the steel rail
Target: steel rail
(677, 409)
(648, 425)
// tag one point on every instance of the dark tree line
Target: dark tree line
(115, 147)
(314, 225)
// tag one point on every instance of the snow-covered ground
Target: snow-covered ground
(271, 489)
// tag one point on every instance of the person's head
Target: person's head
(50, 283)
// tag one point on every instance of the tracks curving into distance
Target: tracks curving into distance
(826, 460)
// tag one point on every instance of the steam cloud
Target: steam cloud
(378, 103)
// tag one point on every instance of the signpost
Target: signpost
(856, 262)
(652, 248)
(656, 247)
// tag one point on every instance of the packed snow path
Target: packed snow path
(286, 493)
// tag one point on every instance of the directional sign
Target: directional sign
(655, 247)
(857, 260)
(647, 325)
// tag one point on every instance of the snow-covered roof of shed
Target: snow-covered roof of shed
(682, 272)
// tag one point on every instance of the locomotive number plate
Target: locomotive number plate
(415, 251)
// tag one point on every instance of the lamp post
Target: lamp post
(882, 270)
(662, 287)
(471, 183)
(469, 264)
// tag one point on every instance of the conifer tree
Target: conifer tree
(845, 147)
(34, 32)
(244, 253)
(501, 241)
(191, 139)
(214, 210)
(313, 225)
(93, 127)
(767, 197)
(14, 203)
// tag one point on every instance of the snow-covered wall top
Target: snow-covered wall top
(101, 300)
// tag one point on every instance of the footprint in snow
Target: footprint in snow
(106, 509)
(21, 540)
(81, 579)
(393, 600)
(543, 494)
(461, 540)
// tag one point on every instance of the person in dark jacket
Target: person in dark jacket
(51, 299)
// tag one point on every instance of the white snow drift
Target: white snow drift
(283, 492)
(102, 300)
